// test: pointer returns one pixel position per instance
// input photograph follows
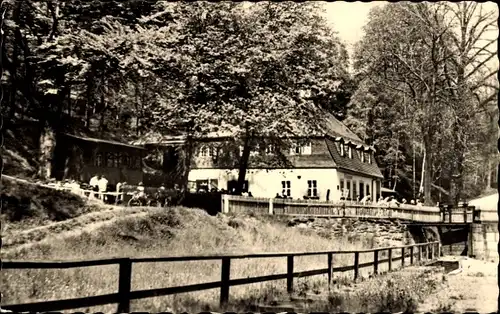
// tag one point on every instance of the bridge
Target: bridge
(464, 230)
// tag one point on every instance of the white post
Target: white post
(225, 203)
(271, 210)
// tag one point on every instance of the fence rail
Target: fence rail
(421, 214)
(425, 251)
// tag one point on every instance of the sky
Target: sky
(348, 19)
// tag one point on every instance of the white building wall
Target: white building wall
(264, 183)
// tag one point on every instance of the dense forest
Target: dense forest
(422, 89)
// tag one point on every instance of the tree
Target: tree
(240, 70)
(415, 51)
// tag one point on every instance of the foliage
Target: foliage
(425, 77)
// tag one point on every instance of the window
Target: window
(269, 149)
(348, 186)
(341, 149)
(361, 190)
(110, 159)
(354, 192)
(312, 188)
(369, 157)
(307, 148)
(240, 148)
(125, 161)
(99, 160)
(367, 189)
(341, 184)
(362, 156)
(203, 151)
(286, 188)
(378, 189)
(138, 163)
(349, 151)
(118, 159)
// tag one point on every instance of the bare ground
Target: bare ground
(471, 288)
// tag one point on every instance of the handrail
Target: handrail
(8, 264)
(125, 294)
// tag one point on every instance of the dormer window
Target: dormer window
(301, 149)
(362, 156)
(307, 148)
(342, 153)
(369, 157)
(203, 151)
(349, 151)
(269, 149)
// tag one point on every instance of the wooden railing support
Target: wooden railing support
(411, 255)
(390, 259)
(356, 265)
(419, 254)
(289, 272)
(124, 285)
(402, 257)
(330, 266)
(225, 274)
(432, 251)
(375, 262)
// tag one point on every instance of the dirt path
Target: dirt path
(71, 227)
(472, 288)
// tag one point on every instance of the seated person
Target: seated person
(366, 199)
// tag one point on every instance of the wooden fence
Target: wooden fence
(423, 252)
(421, 214)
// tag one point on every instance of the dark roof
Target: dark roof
(329, 125)
(96, 140)
(353, 164)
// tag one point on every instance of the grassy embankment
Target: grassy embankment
(181, 231)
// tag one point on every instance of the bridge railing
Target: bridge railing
(423, 252)
(276, 206)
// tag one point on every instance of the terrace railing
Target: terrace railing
(348, 209)
(421, 253)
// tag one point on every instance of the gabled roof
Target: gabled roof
(96, 140)
(353, 164)
(329, 126)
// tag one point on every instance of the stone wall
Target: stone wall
(375, 233)
(484, 241)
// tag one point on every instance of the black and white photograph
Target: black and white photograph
(226, 156)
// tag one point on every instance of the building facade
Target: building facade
(80, 158)
(330, 166)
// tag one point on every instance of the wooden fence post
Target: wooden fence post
(420, 253)
(289, 278)
(402, 257)
(432, 250)
(271, 210)
(330, 265)
(356, 265)
(375, 262)
(390, 259)
(225, 274)
(439, 249)
(411, 255)
(124, 284)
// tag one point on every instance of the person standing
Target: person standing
(103, 186)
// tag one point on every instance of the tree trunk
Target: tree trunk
(185, 166)
(427, 176)
(243, 165)
(46, 153)
(488, 174)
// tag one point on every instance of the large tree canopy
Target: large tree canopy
(432, 59)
